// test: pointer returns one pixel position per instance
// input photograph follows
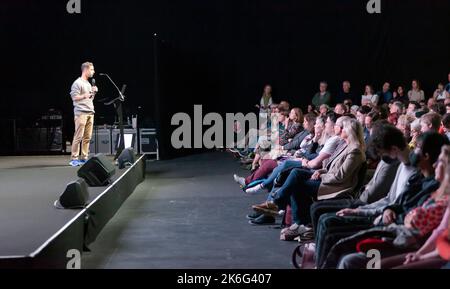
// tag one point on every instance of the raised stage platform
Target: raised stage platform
(33, 233)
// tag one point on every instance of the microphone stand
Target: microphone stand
(117, 102)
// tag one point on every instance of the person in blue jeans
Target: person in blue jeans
(332, 126)
(304, 186)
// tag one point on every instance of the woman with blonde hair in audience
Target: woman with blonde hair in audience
(416, 131)
(404, 125)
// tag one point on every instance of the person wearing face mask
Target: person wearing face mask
(331, 226)
(418, 189)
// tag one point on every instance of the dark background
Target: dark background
(216, 53)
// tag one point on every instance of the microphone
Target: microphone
(93, 84)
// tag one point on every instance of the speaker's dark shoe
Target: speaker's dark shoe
(253, 215)
(262, 220)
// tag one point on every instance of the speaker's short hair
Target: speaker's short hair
(86, 65)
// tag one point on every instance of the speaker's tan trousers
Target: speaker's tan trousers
(84, 124)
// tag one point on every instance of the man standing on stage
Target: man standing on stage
(82, 93)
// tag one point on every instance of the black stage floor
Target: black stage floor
(28, 188)
(189, 213)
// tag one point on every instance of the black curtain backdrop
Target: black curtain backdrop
(216, 53)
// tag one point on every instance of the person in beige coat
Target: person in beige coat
(303, 187)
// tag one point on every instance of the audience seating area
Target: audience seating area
(353, 174)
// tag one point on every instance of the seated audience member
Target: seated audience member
(413, 107)
(396, 107)
(346, 94)
(361, 114)
(293, 125)
(369, 98)
(385, 95)
(324, 109)
(354, 109)
(323, 96)
(430, 122)
(419, 188)
(440, 94)
(370, 118)
(416, 94)
(409, 227)
(399, 95)
(308, 125)
(404, 125)
(416, 131)
(348, 103)
(338, 177)
(340, 109)
(393, 118)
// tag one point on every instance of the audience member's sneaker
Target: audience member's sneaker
(74, 163)
(268, 208)
(239, 180)
(301, 228)
(295, 230)
(254, 215)
(255, 190)
(262, 220)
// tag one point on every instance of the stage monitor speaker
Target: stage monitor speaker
(75, 196)
(126, 158)
(97, 171)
